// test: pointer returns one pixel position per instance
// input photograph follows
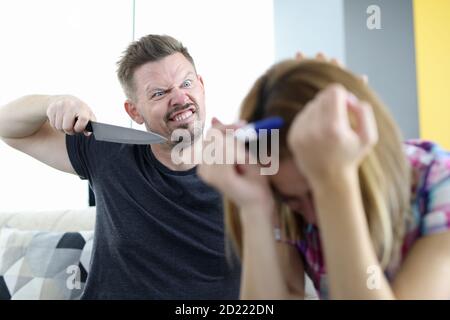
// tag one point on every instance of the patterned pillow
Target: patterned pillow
(38, 265)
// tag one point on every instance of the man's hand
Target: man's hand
(69, 114)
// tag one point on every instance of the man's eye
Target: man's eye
(158, 94)
(187, 83)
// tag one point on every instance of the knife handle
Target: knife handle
(89, 127)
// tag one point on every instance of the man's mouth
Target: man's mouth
(183, 115)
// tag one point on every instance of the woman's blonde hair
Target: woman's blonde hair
(384, 174)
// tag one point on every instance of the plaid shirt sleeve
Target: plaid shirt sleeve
(437, 215)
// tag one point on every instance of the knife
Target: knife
(111, 133)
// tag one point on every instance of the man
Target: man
(159, 229)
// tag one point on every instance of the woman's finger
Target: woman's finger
(337, 62)
(321, 56)
(332, 103)
(299, 56)
(366, 127)
(364, 78)
(217, 124)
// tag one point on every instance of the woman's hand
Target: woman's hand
(320, 56)
(241, 183)
(299, 56)
(323, 139)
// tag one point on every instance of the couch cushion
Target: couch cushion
(56, 220)
(43, 265)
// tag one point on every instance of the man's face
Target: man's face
(169, 95)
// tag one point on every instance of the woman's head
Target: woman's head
(284, 90)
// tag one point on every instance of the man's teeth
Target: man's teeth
(183, 116)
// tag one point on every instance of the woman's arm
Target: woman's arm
(425, 274)
(352, 265)
(270, 269)
(328, 151)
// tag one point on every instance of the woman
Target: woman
(365, 215)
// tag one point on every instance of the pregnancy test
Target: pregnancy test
(251, 131)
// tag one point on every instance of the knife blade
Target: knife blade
(117, 134)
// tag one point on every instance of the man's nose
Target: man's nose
(179, 97)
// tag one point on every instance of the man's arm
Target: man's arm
(37, 124)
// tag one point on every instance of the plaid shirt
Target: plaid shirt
(430, 209)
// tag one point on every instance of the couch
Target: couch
(45, 254)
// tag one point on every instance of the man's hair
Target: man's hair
(149, 48)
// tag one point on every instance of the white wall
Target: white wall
(56, 47)
(71, 46)
(309, 26)
(231, 41)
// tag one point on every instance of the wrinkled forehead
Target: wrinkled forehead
(164, 72)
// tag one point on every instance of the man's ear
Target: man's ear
(133, 112)
(200, 79)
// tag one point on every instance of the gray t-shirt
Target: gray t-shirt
(159, 233)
